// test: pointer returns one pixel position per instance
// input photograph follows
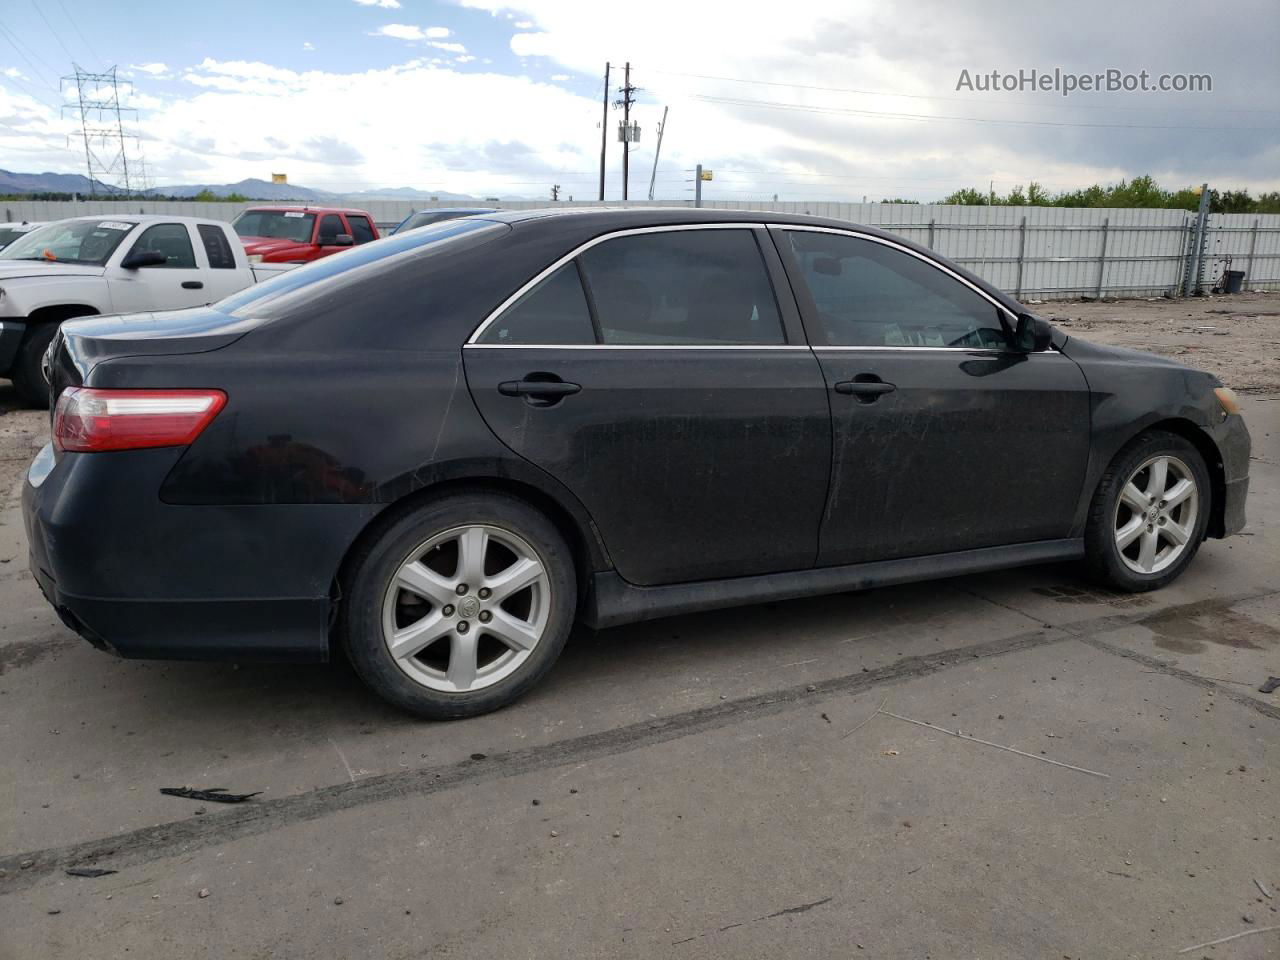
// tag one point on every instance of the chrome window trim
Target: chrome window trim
(986, 350)
(635, 231)
(638, 346)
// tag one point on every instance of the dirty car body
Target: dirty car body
(685, 473)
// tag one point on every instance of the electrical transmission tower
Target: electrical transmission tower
(97, 105)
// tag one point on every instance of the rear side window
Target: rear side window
(216, 247)
(171, 240)
(682, 287)
(361, 230)
(871, 295)
(555, 311)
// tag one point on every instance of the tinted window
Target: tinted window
(290, 289)
(216, 246)
(361, 231)
(171, 240)
(868, 294)
(330, 227)
(555, 311)
(682, 287)
(276, 224)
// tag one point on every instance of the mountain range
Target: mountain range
(252, 188)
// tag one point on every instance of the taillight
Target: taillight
(89, 419)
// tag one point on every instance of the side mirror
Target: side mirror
(143, 258)
(337, 240)
(1032, 334)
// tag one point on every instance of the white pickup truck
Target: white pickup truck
(109, 264)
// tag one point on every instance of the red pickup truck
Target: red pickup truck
(301, 234)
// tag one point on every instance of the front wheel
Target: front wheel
(460, 606)
(1149, 514)
(28, 372)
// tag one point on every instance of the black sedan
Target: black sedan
(440, 450)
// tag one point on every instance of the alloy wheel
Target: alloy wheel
(1155, 515)
(466, 608)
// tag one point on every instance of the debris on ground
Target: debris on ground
(204, 892)
(1262, 888)
(88, 872)
(213, 795)
(1234, 936)
(1271, 684)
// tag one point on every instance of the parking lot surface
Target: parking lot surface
(758, 782)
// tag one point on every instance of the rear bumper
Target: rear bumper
(146, 579)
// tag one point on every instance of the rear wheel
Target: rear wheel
(1150, 512)
(28, 375)
(460, 606)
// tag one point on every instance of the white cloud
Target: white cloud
(560, 78)
(400, 31)
(13, 73)
(155, 69)
(385, 4)
(465, 58)
(408, 31)
(523, 24)
(447, 47)
(308, 45)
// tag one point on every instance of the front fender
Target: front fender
(27, 295)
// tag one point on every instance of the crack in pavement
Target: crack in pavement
(165, 840)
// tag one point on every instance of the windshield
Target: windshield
(424, 217)
(71, 241)
(278, 224)
(254, 301)
(10, 234)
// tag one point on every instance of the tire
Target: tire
(433, 548)
(28, 377)
(1113, 517)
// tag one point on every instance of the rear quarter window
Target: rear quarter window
(216, 247)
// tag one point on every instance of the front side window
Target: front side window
(276, 225)
(682, 287)
(330, 227)
(172, 241)
(71, 241)
(361, 230)
(216, 247)
(871, 295)
(555, 311)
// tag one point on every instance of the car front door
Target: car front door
(657, 376)
(944, 437)
(172, 285)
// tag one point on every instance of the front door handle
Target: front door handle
(538, 392)
(869, 389)
(192, 285)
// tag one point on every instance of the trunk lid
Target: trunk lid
(82, 344)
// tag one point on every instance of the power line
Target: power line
(924, 96)
(51, 30)
(75, 26)
(13, 42)
(926, 118)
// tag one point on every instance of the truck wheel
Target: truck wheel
(28, 378)
(459, 606)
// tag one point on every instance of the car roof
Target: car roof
(306, 208)
(143, 218)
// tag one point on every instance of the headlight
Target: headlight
(1227, 397)
(255, 258)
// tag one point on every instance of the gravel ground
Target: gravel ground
(1237, 337)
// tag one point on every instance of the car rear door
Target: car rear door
(944, 438)
(660, 379)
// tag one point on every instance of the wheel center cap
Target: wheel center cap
(1152, 514)
(468, 607)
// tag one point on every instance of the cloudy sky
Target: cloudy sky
(820, 99)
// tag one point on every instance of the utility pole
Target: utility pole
(604, 129)
(628, 98)
(97, 104)
(654, 176)
(1196, 260)
(555, 192)
(697, 186)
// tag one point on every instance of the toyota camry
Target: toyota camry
(442, 449)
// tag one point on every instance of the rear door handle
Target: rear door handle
(860, 388)
(192, 285)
